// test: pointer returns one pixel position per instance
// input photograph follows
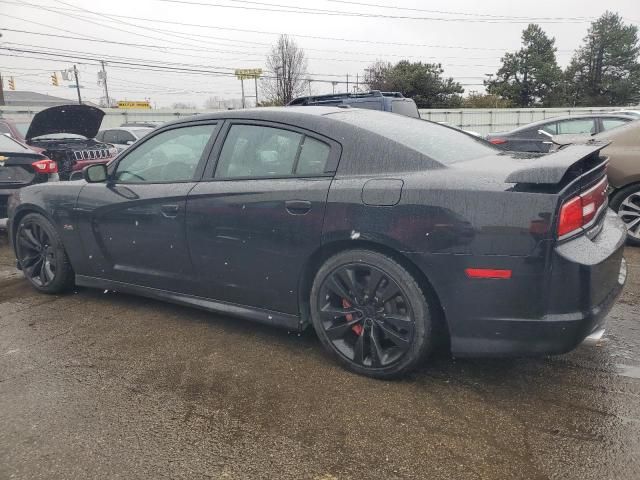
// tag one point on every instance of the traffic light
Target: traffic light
(12, 84)
(54, 79)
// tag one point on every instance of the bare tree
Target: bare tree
(287, 66)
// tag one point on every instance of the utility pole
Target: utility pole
(347, 83)
(104, 79)
(333, 84)
(75, 75)
(357, 81)
(242, 86)
(309, 81)
(1, 91)
(255, 80)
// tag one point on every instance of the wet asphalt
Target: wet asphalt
(96, 385)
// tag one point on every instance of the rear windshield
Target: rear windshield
(8, 145)
(442, 144)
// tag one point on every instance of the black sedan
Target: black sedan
(21, 166)
(536, 136)
(379, 230)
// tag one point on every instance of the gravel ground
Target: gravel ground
(97, 385)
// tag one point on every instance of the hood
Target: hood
(77, 119)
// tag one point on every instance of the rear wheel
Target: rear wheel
(626, 203)
(41, 255)
(371, 314)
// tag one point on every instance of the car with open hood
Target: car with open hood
(65, 134)
(378, 230)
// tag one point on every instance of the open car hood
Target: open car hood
(77, 119)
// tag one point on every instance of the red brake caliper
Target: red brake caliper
(357, 328)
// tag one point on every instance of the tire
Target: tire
(41, 255)
(628, 200)
(371, 314)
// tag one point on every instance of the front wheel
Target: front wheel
(626, 203)
(371, 314)
(42, 256)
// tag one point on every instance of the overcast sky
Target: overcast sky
(467, 37)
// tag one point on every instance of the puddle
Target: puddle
(628, 371)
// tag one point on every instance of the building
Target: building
(33, 99)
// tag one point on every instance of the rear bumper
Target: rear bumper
(553, 301)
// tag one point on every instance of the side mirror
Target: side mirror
(95, 173)
(77, 175)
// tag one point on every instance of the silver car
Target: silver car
(122, 137)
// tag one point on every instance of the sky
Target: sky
(211, 38)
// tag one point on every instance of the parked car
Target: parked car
(141, 124)
(122, 137)
(633, 113)
(65, 134)
(535, 137)
(393, 102)
(16, 130)
(623, 151)
(21, 166)
(375, 229)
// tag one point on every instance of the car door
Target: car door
(133, 226)
(257, 216)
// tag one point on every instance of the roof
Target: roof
(339, 97)
(23, 98)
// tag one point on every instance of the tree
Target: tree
(604, 70)
(528, 77)
(423, 82)
(482, 100)
(288, 64)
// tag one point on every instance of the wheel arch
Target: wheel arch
(323, 253)
(22, 212)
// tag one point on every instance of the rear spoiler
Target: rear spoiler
(551, 168)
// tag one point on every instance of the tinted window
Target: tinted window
(442, 144)
(257, 151)
(170, 156)
(551, 128)
(366, 104)
(577, 126)
(405, 107)
(313, 157)
(609, 123)
(110, 136)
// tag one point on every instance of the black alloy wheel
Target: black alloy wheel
(41, 255)
(371, 313)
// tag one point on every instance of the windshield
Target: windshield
(442, 144)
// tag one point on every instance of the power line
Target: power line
(280, 8)
(263, 32)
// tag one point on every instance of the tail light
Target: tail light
(45, 166)
(497, 141)
(580, 210)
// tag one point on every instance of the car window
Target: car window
(551, 128)
(170, 156)
(124, 137)
(576, 126)
(4, 128)
(110, 136)
(258, 151)
(313, 157)
(609, 123)
(442, 144)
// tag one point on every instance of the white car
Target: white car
(122, 137)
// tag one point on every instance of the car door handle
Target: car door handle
(169, 211)
(297, 207)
